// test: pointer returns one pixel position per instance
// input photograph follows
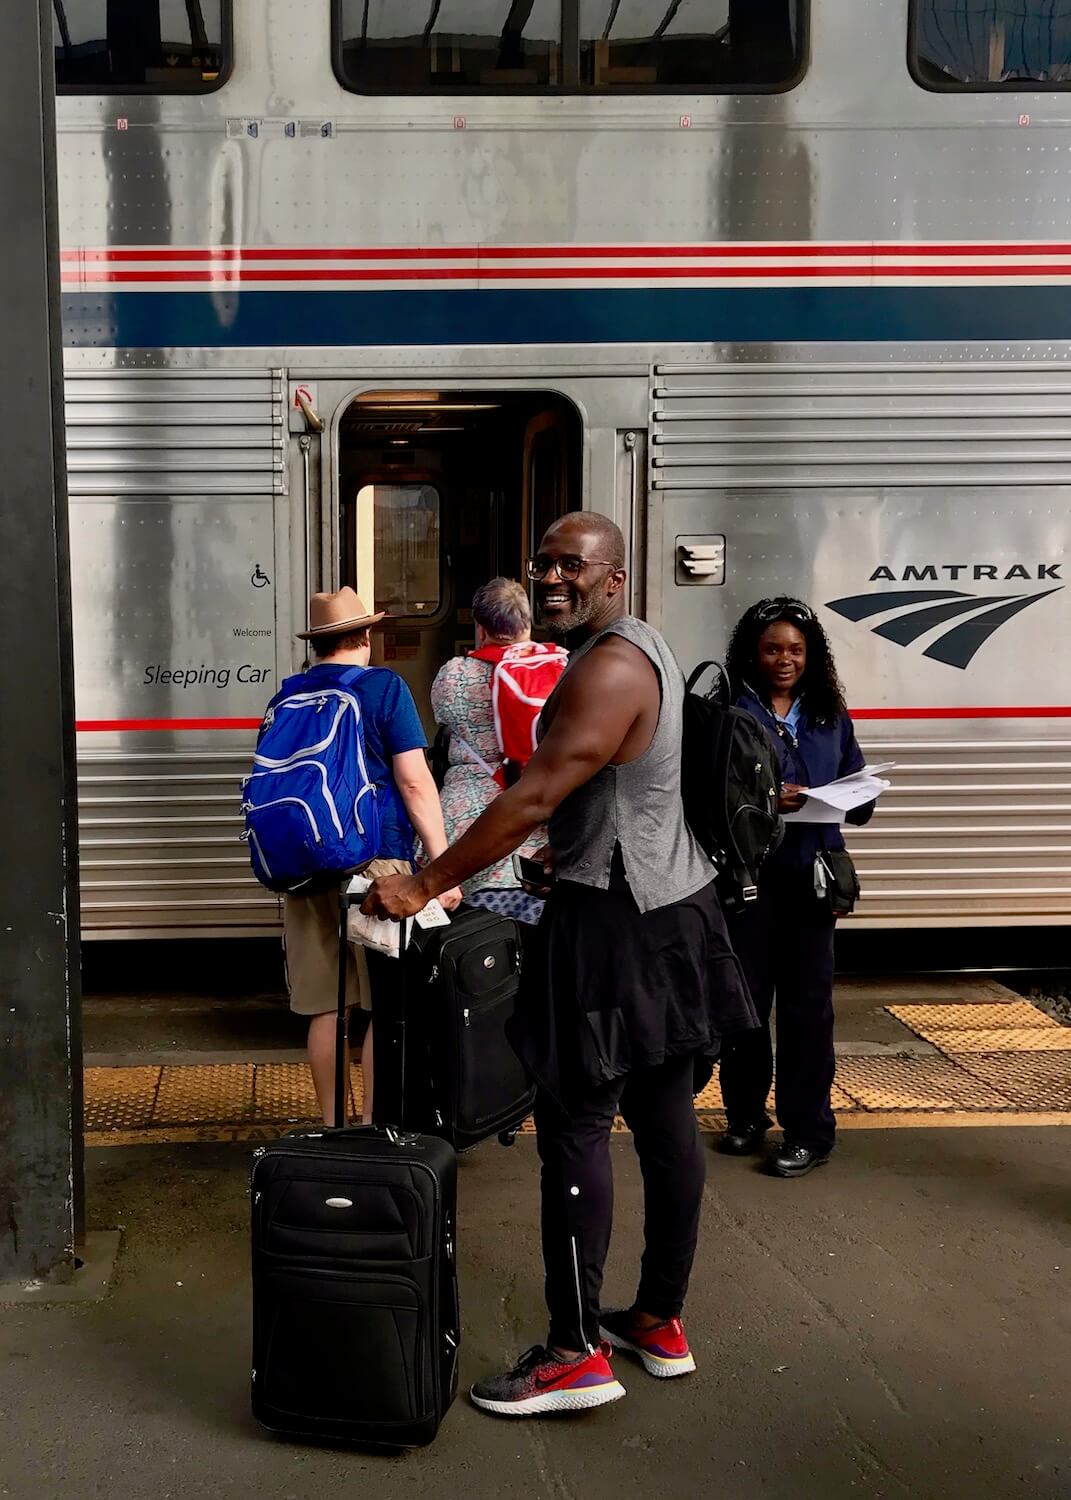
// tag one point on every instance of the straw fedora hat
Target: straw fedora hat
(336, 614)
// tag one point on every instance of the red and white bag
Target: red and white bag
(522, 679)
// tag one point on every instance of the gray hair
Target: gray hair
(502, 608)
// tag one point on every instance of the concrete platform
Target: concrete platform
(895, 1325)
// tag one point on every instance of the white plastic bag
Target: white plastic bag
(385, 936)
(371, 932)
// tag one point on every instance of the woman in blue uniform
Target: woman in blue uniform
(782, 670)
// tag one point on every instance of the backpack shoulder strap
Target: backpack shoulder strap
(722, 691)
(471, 754)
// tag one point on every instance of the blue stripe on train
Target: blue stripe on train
(655, 315)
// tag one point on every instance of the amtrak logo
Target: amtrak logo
(914, 612)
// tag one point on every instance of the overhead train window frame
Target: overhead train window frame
(540, 48)
(91, 60)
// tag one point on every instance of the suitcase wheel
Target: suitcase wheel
(507, 1137)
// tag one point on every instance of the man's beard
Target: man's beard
(583, 610)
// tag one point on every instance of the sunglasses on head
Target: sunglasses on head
(784, 609)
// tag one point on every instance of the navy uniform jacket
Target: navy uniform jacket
(817, 753)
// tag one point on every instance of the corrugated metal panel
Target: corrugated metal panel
(762, 426)
(969, 829)
(157, 463)
(145, 432)
(159, 847)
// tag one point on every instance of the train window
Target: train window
(443, 46)
(990, 44)
(695, 44)
(567, 46)
(405, 531)
(141, 46)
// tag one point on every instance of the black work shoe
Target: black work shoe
(796, 1161)
(744, 1140)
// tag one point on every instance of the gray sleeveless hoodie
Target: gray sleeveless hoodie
(635, 806)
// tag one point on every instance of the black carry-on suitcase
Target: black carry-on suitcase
(458, 1076)
(355, 1310)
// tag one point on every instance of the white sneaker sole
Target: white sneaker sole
(654, 1364)
(551, 1401)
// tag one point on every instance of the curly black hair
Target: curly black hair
(825, 695)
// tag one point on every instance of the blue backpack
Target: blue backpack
(310, 809)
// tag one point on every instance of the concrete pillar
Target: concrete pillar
(40, 1041)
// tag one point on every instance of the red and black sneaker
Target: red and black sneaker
(540, 1383)
(663, 1349)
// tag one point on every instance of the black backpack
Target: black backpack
(730, 782)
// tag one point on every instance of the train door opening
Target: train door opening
(438, 492)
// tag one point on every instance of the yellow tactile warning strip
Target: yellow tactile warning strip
(998, 1064)
(1013, 1013)
(120, 1098)
(127, 1104)
(877, 1083)
(1013, 1051)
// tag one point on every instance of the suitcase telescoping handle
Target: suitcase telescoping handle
(346, 900)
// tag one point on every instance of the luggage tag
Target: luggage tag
(433, 915)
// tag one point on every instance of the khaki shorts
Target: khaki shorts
(310, 943)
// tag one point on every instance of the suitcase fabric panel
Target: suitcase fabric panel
(335, 1344)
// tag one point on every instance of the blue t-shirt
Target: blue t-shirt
(391, 726)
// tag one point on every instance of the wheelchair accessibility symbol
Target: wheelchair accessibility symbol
(260, 579)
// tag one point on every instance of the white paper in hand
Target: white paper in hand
(829, 803)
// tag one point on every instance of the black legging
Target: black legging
(578, 1195)
(785, 944)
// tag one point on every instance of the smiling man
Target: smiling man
(632, 978)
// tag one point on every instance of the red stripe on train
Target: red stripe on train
(857, 250)
(1053, 712)
(98, 726)
(1057, 711)
(564, 273)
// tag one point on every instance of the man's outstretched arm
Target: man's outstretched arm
(601, 699)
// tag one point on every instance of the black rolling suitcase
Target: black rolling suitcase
(458, 1075)
(355, 1310)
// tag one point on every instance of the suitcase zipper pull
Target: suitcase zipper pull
(465, 1017)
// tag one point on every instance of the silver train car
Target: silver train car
(368, 291)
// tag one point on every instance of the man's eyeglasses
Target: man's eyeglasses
(784, 609)
(568, 569)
